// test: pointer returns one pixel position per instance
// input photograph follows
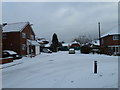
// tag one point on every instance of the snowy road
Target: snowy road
(62, 70)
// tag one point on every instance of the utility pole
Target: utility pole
(99, 33)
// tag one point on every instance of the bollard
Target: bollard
(95, 67)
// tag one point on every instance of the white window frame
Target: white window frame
(23, 35)
(115, 37)
(23, 47)
(116, 48)
(4, 36)
(32, 37)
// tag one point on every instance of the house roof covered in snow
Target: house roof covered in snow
(65, 44)
(114, 31)
(96, 42)
(47, 45)
(33, 42)
(75, 42)
(15, 27)
(42, 41)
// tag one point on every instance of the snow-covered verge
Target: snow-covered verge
(61, 70)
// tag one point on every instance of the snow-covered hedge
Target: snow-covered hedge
(85, 49)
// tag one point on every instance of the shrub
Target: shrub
(85, 49)
(106, 50)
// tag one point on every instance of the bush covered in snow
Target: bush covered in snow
(106, 50)
(85, 49)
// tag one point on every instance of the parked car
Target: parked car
(46, 50)
(71, 51)
(10, 53)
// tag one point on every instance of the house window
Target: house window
(23, 35)
(115, 37)
(4, 36)
(32, 37)
(23, 47)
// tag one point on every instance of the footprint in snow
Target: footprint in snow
(100, 75)
(50, 60)
(112, 74)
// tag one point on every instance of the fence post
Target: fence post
(95, 67)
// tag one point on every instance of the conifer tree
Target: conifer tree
(55, 43)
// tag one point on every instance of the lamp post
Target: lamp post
(99, 36)
(99, 32)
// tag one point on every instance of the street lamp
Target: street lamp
(99, 32)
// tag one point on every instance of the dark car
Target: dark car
(10, 53)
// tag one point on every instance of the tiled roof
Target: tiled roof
(15, 27)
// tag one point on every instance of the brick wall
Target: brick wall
(28, 31)
(108, 40)
(12, 41)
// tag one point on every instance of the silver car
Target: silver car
(71, 51)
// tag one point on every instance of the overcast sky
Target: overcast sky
(67, 19)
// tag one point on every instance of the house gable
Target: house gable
(28, 31)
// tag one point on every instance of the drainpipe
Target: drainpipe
(31, 42)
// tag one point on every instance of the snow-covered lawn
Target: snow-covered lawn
(61, 70)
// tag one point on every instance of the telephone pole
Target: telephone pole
(99, 33)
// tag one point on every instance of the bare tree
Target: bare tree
(82, 39)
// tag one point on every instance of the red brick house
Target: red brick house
(20, 38)
(112, 41)
(75, 45)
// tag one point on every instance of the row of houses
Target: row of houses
(21, 38)
(74, 44)
(109, 43)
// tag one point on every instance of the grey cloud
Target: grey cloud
(68, 20)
